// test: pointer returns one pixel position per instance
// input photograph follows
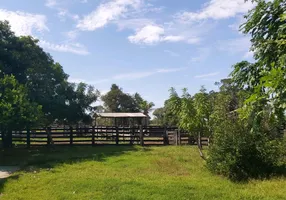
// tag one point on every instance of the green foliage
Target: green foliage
(240, 150)
(239, 154)
(237, 151)
(16, 110)
(80, 100)
(193, 112)
(45, 81)
(118, 101)
(266, 77)
(248, 141)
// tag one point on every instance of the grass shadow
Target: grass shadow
(57, 155)
(35, 159)
(4, 180)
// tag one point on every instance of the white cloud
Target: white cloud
(133, 24)
(138, 75)
(23, 23)
(71, 35)
(150, 34)
(61, 7)
(130, 14)
(217, 9)
(153, 34)
(51, 3)
(207, 75)
(172, 53)
(132, 76)
(74, 48)
(173, 38)
(107, 12)
(64, 14)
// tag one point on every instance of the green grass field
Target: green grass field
(124, 172)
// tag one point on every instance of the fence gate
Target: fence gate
(174, 137)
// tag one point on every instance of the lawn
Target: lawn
(124, 172)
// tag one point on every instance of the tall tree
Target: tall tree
(118, 101)
(44, 79)
(16, 110)
(266, 77)
(32, 67)
(243, 143)
(80, 100)
(193, 112)
(144, 105)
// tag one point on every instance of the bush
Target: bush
(240, 153)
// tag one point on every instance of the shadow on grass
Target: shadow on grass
(3, 181)
(33, 159)
(52, 156)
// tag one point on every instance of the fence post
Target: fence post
(117, 135)
(176, 137)
(141, 136)
(132, 133)
(28, 138)
(93, 134)
(48, 137)
(71, 135)
(199, 141)
(179, 137)
(166, 137)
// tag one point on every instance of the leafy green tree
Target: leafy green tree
(118, 101)
(17, 111)
(44, 79)
(243, 143)
(144, 105)
(203, 108)
(237, 151)
(32, 67)
(193, 112)
(159, 115)
(80, 102)
(266, 77)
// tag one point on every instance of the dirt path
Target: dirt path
(6, 171)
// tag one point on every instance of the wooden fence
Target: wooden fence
(98, 135)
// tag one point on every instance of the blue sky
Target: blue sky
(144, 46)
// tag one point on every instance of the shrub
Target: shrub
(240, 153)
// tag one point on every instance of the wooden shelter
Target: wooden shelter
(137, 118)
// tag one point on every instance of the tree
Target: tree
(80, 101)
(237, 150)
(118, 101)
(144, 105)
(45, 80)
(32, 67)
(203, 108)
(16, 110)
(159, 114)
(193, 112)
(266, 77)
(253, 139)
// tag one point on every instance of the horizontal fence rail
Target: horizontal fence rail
(98, 135)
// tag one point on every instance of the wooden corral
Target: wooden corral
(99, 135)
